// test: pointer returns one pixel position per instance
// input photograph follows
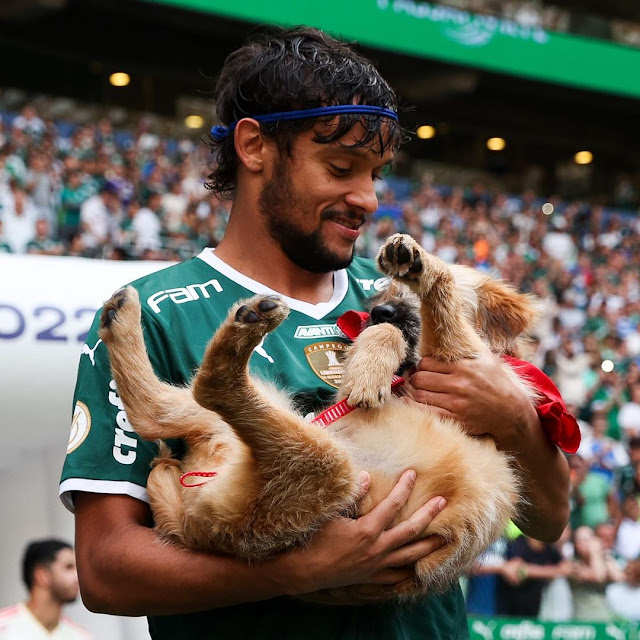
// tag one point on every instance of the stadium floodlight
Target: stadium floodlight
(425, 132)
(496, 144)
(583, 157)
(194, 122)
(119, 79)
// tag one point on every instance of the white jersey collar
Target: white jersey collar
(315, 311)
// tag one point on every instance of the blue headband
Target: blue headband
(219, 133)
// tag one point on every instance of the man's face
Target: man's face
(63, 577)
(315, 201)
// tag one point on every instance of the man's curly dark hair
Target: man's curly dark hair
(299, 68)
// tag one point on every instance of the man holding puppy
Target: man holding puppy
(308, 126)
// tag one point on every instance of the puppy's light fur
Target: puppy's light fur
(278, 478)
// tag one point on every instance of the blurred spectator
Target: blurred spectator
(602, 453)
(536, 564)
(74, 193)
(628, 536)
(593, 498)
(570, 367)
(5, 247)
(628, 477)
(19, 217)
(590, 574)
(29, 122)
(481, 594)
(98, 218)
(557, 599)
(624, 597)
(49, 574)
(629, 414)
(173, 205)
(43, 243)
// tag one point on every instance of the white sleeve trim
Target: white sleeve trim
(116, 487)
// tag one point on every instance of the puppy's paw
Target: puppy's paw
(120, 313)
(366, 396)
(401, 257)
(261, 314)
(366, 386)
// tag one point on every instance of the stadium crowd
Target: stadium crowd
(92, 191)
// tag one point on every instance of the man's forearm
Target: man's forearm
(545, 476)
(140, 575)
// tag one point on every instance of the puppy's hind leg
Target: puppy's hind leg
(306, 477)
(163, 487)
(154, 409)
(446, 333)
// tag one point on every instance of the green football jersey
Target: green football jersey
(181, 308)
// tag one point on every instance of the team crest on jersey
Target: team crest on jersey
(80, 426)
(325, 359)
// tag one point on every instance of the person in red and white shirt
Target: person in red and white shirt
(49, 573)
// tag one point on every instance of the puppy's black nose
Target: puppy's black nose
(383, 313)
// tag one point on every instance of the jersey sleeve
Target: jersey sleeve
(104, 454)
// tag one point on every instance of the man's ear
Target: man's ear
(504, 313)
(41, 576)
(249, 144)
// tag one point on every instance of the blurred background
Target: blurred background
(525, 163)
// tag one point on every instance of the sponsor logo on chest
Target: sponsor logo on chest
(315, 331)
(180, 295)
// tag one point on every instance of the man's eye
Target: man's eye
(385, 171)
(339, 171)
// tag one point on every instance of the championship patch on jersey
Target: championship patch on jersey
(326, 361)
(80, 426)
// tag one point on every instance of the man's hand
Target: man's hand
(367, 550)
(475, 392)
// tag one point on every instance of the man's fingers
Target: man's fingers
(412, 528)
(437, 383)
(437, 366)
(436, 402)
(409, 554)
(383, 514)
(365, 484)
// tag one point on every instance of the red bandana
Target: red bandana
(559, 425)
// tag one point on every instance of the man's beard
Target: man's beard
(64, 594)
(279, 205)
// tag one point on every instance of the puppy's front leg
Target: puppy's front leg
(370, 364)
(446, 333)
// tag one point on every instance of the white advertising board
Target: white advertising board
(47, 305)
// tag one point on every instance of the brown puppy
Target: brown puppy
(278, 478)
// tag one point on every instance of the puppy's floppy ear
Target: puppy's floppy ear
(503, 313)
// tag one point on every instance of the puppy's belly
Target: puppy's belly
(449, 463)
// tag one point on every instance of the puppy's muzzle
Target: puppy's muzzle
(383, 313)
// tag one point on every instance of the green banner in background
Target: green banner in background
(527, 629)
(443, 33)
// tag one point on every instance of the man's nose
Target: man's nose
(362, 195)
